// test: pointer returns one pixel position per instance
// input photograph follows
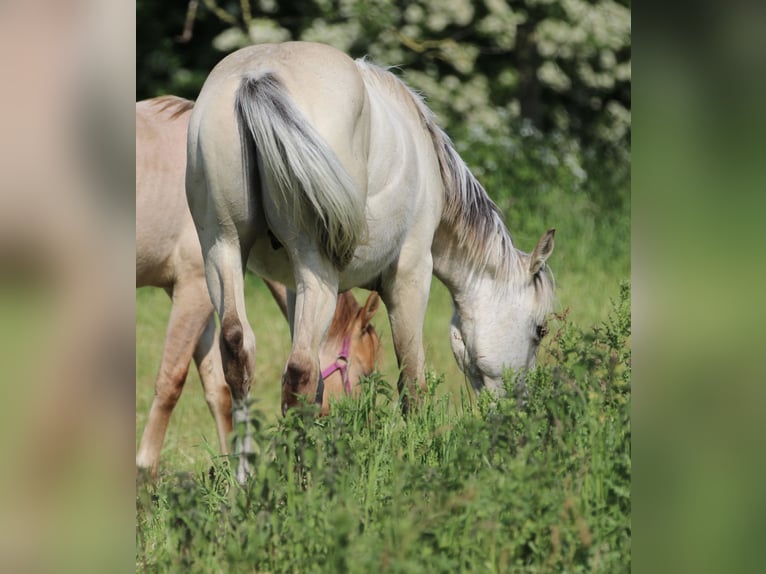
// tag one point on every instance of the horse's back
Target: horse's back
(312, 73)
(165, 236)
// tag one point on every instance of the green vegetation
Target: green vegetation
(482, 485)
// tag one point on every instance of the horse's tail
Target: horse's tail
(307, 179)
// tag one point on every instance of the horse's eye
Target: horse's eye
(541, 331)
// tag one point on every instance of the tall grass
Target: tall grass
(482, 486)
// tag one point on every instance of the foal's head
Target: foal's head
(499, 327)
(350, 348)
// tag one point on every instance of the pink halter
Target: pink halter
(341, 364)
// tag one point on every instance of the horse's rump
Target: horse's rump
(306, 179)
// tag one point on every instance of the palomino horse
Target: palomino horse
(168, 255)
(345, 166)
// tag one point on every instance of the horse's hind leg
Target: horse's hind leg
(207, 357)
(187, 321)
(225, 280)
(315, 300)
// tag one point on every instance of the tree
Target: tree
(495, 66)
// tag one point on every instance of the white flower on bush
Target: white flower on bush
(551, 75)
(442, 13)
(341, 36)
(264, 31)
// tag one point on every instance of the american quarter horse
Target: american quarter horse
(168, 255)
(346, 167)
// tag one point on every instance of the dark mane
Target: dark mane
(173, 104)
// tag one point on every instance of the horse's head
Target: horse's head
(499, 328)
(350, 349)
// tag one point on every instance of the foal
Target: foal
(168, 255)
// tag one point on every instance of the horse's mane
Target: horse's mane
(175, 105)
(344, 315)
(468, 209)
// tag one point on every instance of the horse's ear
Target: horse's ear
(542, 252)
(370, 308)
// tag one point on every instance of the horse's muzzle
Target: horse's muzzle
(291, 398)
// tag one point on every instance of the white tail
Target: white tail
(312, 186)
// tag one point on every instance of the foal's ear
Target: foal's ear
(542, 252)
(370, 308)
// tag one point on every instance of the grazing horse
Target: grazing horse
(168, 255)
(345, 167)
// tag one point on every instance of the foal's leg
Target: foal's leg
(207, 356)
(188, 316)
(279, 292)
(405, 292)
(315, 299)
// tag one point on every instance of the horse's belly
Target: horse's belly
(266, 261)
(391, 220)
(366, 266)
(380, 251)
(363, 269)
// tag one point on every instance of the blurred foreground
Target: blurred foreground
(66, 285)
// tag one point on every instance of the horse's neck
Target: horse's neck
(475, 257)
(452, 266)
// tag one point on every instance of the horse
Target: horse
(168, 255)
(346, 168)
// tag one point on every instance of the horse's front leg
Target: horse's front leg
(207, 356)
(310, 316)
(405, 292)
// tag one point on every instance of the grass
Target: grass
(484, 485)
